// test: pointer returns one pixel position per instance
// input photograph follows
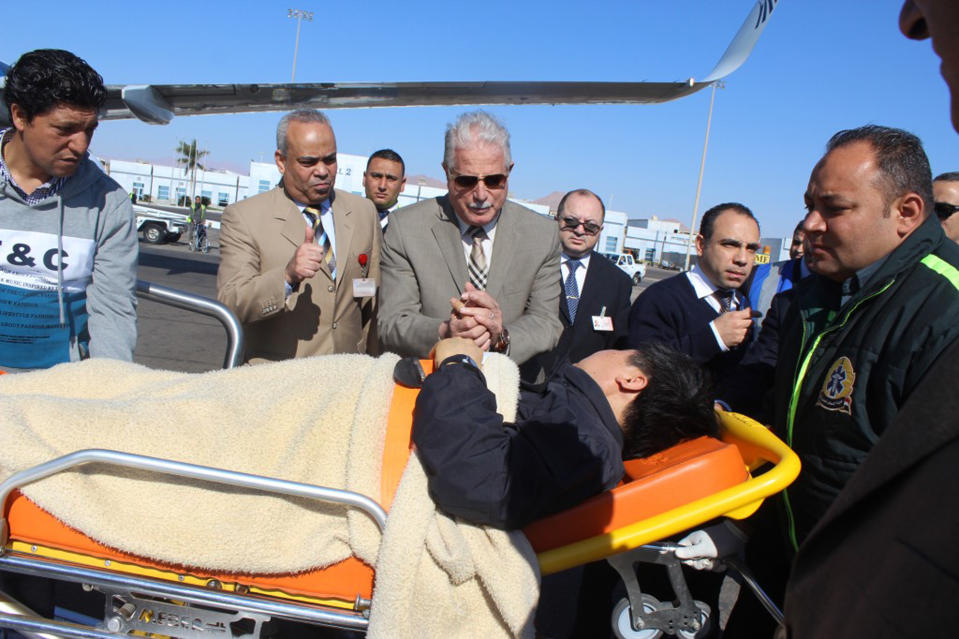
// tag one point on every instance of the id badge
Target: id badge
(364, 287)
(602, 323)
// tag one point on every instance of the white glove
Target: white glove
(698, 550)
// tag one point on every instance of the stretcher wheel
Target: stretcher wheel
(622, 625)
(705, 620)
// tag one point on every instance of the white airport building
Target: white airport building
(652, 239)
(168, 184)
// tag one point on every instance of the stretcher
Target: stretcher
(677, 490)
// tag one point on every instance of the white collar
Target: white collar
(701, 284)
(583, 261)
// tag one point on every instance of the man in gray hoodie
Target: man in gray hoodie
(68, 245)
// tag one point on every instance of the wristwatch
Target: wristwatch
(501, 345)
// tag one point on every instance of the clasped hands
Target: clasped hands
(476, 316)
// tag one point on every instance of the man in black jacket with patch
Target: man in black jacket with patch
(881, 307)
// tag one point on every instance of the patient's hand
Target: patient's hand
(456, 346)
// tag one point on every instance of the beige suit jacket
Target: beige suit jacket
(424, 265)
(258, 236)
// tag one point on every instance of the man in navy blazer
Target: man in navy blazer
(594, 304)
(700, 312)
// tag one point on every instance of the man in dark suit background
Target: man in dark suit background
(594, 297)
(700, 312)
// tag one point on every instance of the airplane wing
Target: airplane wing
(159, 104)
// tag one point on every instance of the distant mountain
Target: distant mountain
(425, 180)
(551, 200)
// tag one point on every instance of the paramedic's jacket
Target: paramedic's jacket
(565, 446)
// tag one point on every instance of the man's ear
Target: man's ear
(910, 211)
(633, 381)
(700, 243)
(18, 117)
(280, 160)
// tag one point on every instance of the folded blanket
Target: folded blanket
(294, 420)
(317, 420)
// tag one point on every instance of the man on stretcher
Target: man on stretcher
(568, 442)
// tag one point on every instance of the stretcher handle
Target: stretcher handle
(191, 471)
(205, 306)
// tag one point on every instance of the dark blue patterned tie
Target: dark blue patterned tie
(725, 300)
(572, 290)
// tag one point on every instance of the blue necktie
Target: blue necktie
(572, 290)
(726, 298)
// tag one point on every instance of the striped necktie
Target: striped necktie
(322, 238)
(478, 268)
(725, 300)
(572, 289)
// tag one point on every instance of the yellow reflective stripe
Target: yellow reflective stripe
(944, 268)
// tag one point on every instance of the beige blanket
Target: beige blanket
(458, 572)
(318, 421)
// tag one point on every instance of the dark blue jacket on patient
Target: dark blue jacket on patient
(564, 447)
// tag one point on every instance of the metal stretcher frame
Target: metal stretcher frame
(755, 443)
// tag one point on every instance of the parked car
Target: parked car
(158, 226)
(636, 270)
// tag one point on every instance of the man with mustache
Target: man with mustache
(701, 313)
(68, 244)
(470, 263)
(899, 505)
(300, 264)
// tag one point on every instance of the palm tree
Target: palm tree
(190, 156)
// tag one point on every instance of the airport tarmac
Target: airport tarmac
(174, 339)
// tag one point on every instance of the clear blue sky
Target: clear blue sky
(820, 65)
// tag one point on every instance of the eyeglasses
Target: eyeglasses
(589, 228)
(944, 209)
(495, 181)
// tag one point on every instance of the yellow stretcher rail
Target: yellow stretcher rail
(757, 445)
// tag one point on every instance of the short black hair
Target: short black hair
(951, 176)
(562, 203)
(709, 217)
(43, 79)
(676, 405)
(387, 154)
(900, 158)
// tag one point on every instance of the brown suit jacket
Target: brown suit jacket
(258, 236)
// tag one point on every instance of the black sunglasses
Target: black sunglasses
(495, 181)
(590, 228)
(944, 209)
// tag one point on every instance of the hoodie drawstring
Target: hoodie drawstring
(63, 320)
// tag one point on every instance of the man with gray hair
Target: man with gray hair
(470, 263)
(300, 264)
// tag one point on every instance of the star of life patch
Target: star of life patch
(836, 392)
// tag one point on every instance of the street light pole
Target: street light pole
(702, 166)
(300, 15)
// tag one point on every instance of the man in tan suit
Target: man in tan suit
(299, 265)
(496, 262)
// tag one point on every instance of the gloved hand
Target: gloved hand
(702, 549)
(698, 550)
